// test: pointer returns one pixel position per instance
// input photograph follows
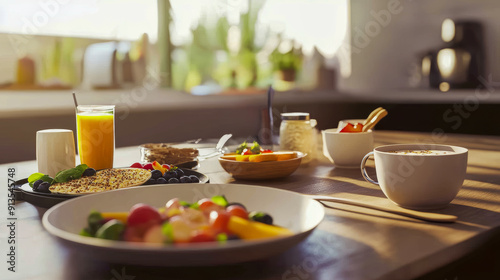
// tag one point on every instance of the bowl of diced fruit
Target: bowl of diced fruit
(252, 162)
(184, 224)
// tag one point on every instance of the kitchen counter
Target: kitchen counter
(42, 103)
(144, 116)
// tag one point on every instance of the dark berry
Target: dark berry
(261, 217)
(161, 180)
(173, 181)
(175, 174)
(151, 181)
(36, 184)
(236, 203)
(194, 179)
(185, 179)
(169, 174)
(89, 172)
(179, 171)
(43, 187)
(155, 174)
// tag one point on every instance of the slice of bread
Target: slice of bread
(163, 153)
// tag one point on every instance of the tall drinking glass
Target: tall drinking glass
(96, 135)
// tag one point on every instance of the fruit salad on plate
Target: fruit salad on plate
(165, 173)
(208, 220)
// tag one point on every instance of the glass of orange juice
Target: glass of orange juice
(96, 135)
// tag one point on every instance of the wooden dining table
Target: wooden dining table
(350, 243)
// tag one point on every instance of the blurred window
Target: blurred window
(105, 19)
(220, 43)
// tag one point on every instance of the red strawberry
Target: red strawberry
(137, 165)
(148, 166)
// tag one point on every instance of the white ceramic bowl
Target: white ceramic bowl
(292, 210)
(346, 150)
(419, 181)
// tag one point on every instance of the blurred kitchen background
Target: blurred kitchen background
(184, 69)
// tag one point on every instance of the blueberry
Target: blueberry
(236, 203)
(89, 172)
(185, 179)
(155, 174)
(261, 217)
(194, 179)
(176, 174)
(36, 184)
(173, 181)
(151, 181)
(180, 171)
(170, 174)
(43, 187)
(161, 180)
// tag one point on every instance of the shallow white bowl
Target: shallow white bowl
(289, 209)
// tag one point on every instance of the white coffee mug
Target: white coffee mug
(346, 149)
(419, 176)
(55, 150)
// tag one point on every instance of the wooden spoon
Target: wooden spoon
(372, 114)
(424, 216)
(374, 120)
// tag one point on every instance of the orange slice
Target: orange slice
(263, 157)
(242, 157)
(229, 157)
(286, 156)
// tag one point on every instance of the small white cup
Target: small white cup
(419, 181)
(55, 150)
(346, 150)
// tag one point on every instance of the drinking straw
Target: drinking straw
(74, 99)
(270, 96)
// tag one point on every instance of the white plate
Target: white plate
(289, 209)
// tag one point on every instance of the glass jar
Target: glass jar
(297, 133)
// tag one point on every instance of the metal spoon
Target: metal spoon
(424, 216)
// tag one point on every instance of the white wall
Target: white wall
(384, 62)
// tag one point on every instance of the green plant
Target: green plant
(290, 60)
